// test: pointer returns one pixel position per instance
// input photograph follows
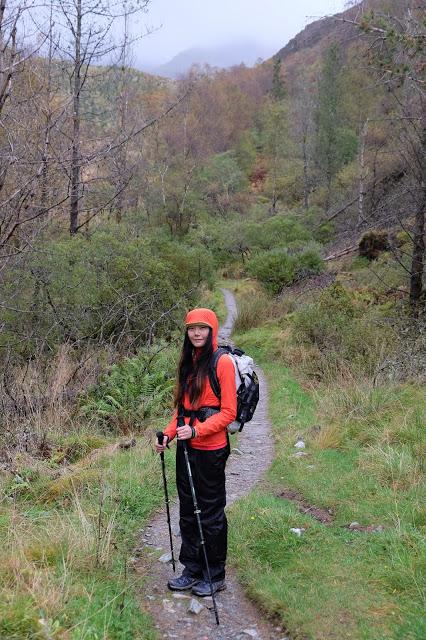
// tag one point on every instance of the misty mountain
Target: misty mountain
(227, 55)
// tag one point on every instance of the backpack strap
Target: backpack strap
(213, 379)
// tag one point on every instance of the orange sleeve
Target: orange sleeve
(170, 430)
(228, 399)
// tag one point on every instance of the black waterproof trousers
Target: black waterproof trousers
(208, 472)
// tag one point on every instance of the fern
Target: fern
(134, 390)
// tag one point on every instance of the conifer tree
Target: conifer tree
(278, 87)
(335, 145)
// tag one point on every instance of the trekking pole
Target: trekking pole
(200, 528)
(160, 438)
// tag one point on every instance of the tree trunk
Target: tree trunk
(306, 188)
(362, 174)
(44, 178)
(123, 107)
(76, 155)
(417, 262)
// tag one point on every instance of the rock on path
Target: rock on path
(173, 612)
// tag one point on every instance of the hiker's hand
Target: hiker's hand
(184, 433)
(160, 447)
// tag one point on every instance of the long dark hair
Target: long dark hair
(192, 370)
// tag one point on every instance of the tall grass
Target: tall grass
(364, 460)
(71, 501)
(62, 561)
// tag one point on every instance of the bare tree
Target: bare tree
(87, 43)
(19, 172)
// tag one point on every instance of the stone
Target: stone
(176, 530)
(168, 606)
(299, 454)
(237, 452)
(195, 607)
(251, 633)
(165, 558)
(300, 444)
(181, 596)
(127, 444)
(354, 525)
(298, 531)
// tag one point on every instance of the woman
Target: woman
(204, 420)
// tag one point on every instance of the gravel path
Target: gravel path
(239, 618)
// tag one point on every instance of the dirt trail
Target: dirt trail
(239, 618)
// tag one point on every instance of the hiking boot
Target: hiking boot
(202, 589)
(182, 583)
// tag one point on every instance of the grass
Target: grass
(365, 461)
(65, 548)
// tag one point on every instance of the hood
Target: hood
(206, 317)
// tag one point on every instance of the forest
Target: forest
(125, 200)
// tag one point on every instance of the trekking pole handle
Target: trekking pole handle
(160, 438)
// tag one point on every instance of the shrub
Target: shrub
(276, 231)
(277, 268)
(273, 268)
(186, 264)
(109, 289)
(325, 232)
(343, 334)
(308, 263)
(373, 243)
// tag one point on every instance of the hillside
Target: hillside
(227, 55)
(318, 34)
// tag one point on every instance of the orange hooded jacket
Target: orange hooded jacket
(212, 432)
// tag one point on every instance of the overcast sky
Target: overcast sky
(206, 23)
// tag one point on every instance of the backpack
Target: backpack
(247, 384)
